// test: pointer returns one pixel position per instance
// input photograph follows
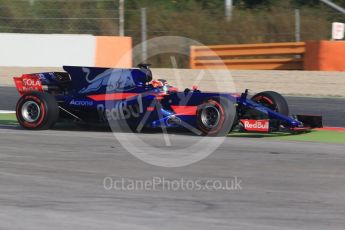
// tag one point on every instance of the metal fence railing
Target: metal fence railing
(207, 26)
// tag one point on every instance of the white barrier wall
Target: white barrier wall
(47, 50)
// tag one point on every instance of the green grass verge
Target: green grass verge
(314, 136)
(8, 119)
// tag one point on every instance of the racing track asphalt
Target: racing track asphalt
(54, 180)
(332, 109)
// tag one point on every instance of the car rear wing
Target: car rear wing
(28, 83)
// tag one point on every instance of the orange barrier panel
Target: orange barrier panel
(325, 55)
(233, 56)
(256, 64)
(113, 52)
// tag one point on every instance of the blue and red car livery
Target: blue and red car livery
(130, 98)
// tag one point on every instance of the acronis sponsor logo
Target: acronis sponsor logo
(85, 103)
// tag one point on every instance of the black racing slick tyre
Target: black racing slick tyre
(273, 101)
(37, 111)
(215, 117)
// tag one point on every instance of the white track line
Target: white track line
(6, 112)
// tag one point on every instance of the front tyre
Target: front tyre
(37, 111)
(273, 101)
(215, 117)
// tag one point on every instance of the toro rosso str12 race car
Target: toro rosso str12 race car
(130, 98)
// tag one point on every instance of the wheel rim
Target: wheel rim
(210, 116)
(31, 111)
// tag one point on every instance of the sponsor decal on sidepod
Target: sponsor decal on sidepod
(121, 111)
(81, 103)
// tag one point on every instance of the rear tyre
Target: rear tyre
(215, 117)
(273, 101)
(37, 111)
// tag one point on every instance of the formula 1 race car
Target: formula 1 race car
(129, 98)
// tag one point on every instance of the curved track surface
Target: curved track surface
(332, 109)
(54, 180)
